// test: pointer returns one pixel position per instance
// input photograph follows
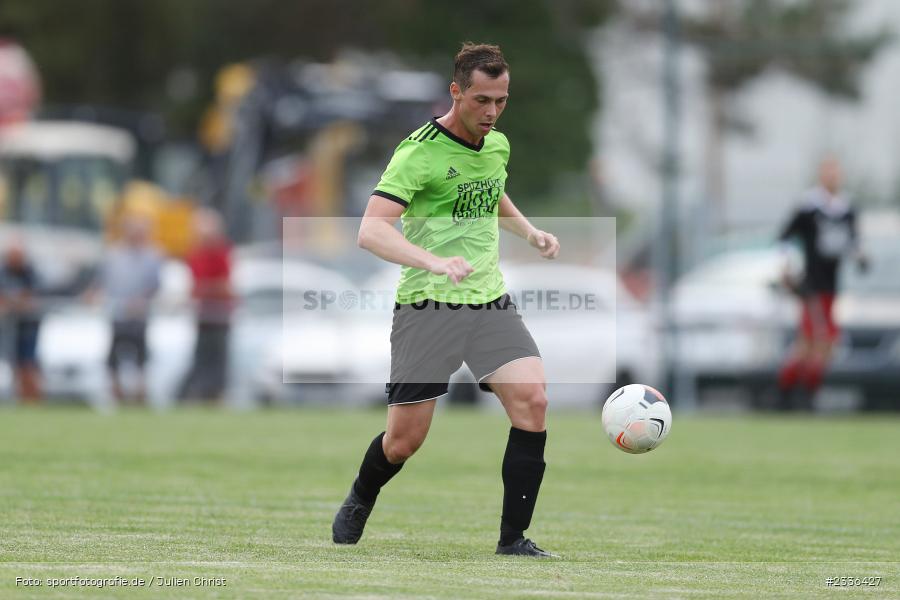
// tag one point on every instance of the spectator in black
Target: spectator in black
(19, 284)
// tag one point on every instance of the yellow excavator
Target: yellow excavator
(305, 139)
(281, 141)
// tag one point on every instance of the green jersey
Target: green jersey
(451, 190)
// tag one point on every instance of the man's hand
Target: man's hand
(454, 267)
(137, 308)
(790, 283)
(546, 243)
(91, 296)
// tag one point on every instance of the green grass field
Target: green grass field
(727, 508)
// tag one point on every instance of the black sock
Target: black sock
(374, 472)
(523, 470)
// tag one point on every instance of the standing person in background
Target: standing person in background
(210, 264)
(18, 283)
(825, 226)
(129, 279)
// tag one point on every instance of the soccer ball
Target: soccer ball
(636, 418)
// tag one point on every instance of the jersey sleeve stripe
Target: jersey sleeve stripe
(390, 196)
(425, 132)
(418, 132)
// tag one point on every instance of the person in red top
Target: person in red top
(210, 264)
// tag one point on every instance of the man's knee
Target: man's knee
(532, 398)
(399, 449)
(537, 399)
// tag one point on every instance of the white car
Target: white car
(74, 339)
(729, 315)
(293, 336)
(591, 350)
(587, 350)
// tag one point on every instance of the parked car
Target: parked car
(587, 350)
(285, 347)
(591, 350)
(729, 320)
(74, 339)
(293, 336)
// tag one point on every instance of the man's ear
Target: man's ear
(455, 91)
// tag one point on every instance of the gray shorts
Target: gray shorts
(430, 340)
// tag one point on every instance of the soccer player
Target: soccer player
(446, 181)
(825, 225)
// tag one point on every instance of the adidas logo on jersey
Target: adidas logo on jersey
(452, 173)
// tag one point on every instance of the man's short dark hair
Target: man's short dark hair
(486, 58)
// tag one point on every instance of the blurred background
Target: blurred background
(150, 152)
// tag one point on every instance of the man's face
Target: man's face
(136, 231)
(15, 256)
(830, 175)
(482, 102)
(207, 229)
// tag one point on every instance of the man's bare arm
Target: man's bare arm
(378, 235)
(512, 220)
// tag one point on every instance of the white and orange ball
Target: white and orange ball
(636, 418)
